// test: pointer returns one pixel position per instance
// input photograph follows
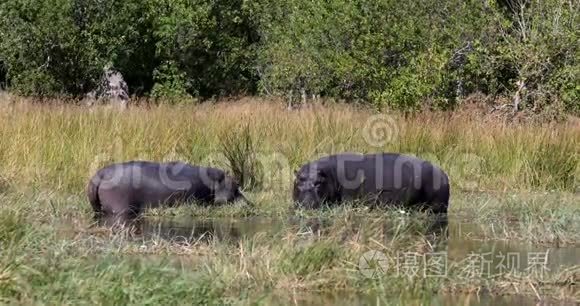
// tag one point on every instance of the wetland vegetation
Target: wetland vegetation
(514, 191)
(486, 90)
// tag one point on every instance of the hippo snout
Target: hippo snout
(307, 203)
(308, 199)
(224, 197)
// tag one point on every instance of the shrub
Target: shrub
(60, 47)
(532, 43)
(386, 53)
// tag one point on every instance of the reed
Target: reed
(57, 147)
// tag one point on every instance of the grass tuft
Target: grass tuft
(240, 149)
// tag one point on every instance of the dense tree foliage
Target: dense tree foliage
(400, 54)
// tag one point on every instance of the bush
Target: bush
(532, 43)
(383, 52)
(204, 47)
(171, 47)
(386, 52)
(41, 47)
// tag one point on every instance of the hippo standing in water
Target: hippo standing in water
(378, 179)
(120, 192)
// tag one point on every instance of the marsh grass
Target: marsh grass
(73, 263)
(12, 227)
(58, 147)
(239, 150)
(516, 181)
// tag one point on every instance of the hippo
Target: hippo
(378, 180)
(120, 192)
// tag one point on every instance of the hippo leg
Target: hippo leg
(437, 203)
(119, 209)
(113, 220)
(439, 206)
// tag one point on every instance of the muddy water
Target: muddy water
(441, 300)
(235, 229)
(454, 238)
(499, 255)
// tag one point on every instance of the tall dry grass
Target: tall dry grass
(51, 254)
(59, 146)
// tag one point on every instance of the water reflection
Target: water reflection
(449, 236)
(235, 229)
(500, 255)
(346, 299)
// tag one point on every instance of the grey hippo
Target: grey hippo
(120, 192)
(379, 179)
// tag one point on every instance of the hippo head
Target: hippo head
(226, 190)
(312, 188)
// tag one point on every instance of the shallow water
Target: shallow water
(440, 300)
(451, 239)
(449, 236)
(235, 229)
(518, 254)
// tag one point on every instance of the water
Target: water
(448, 236)
(519, 255)
(440, 300)
(235, 229)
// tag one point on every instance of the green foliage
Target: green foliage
(41, 47)
(121, 33)
(163, 48)
(13, 228)
(386, 52)
(203, 48)
(533, 42)
(403, 55)
(170, 82)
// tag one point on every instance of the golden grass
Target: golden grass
(52, 254)
(58, 146)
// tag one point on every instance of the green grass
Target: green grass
(512, 183)
(54, 255)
